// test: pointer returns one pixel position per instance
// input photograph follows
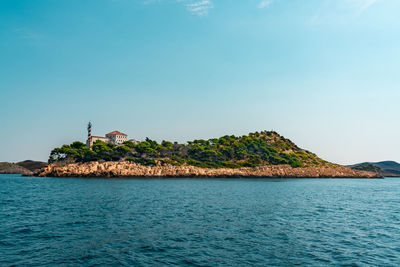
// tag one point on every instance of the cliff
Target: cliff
(128, 169)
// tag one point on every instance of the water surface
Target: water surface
(203, 222)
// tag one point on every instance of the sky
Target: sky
(323, 73)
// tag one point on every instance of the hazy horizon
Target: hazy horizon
(321, 73)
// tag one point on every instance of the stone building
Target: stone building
(115, 137)
(92, 139)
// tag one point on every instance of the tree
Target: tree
(153, 144)
(130, 144)
(78, 145)
(166, 144)
(121, 151)
(145, 147)
(56, 155)
(102, 150)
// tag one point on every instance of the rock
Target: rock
(127, 169)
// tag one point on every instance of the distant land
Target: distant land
(259, 154)
(384, 168)
(26, 167)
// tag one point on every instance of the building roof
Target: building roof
(116, 133)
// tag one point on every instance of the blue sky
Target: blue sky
(323, 73)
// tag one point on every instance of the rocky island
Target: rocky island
(260, 154)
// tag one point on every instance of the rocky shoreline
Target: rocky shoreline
(128, 169)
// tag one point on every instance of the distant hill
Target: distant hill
(32, 165)
(12, 168)
(386, 168)
(23, 167)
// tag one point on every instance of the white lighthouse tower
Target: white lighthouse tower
(89, 129)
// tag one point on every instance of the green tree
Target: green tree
(166, 144)
(78, 145)
(130, 144)
(121, 151)
(103, 150)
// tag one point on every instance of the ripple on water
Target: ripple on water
(201, 222)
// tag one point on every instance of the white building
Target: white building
(115, 137)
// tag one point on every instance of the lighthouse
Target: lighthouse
(89, 136)
(89, 129)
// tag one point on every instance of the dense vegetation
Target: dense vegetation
(255, 149)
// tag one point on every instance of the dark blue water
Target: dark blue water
(204, 222)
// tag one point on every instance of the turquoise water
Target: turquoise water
(203, 222)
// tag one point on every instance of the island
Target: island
(382, 168)
(26, 167)
(259, 154)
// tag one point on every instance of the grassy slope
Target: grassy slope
(255, 149)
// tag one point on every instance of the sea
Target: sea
(199, 222)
